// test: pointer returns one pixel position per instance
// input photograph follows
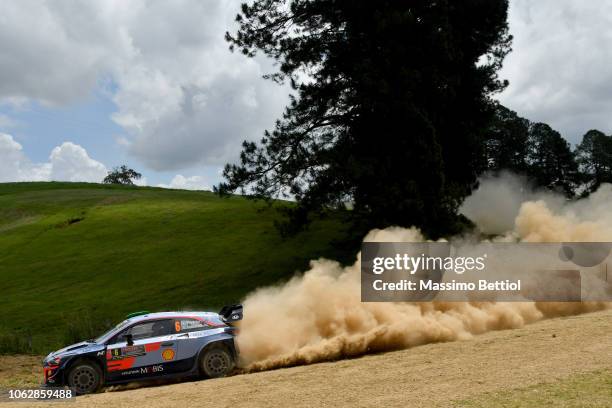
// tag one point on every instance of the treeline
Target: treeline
(545, 157)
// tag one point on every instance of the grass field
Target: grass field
(75, 256)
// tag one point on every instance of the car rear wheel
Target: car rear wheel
(85, 378)
(216, 362)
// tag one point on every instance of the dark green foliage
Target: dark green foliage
(508, 141)
(551, 160)
(531, 149)
(122, 175)
(392, 105)
(594, 156)
(16, 343)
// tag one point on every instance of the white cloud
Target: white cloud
(559, 67)
(181, 96)
(52, 53)
(187, 183)
(13, 163)
(142, 181)
(68, 162)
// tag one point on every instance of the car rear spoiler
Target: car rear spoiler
(231, 313)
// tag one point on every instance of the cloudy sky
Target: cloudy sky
(89, 85)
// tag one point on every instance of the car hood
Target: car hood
(77, 348)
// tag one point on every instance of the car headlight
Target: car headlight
(54, 361)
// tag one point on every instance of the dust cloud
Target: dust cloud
(318, 316)
(498, 199)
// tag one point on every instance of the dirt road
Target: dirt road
(433, 375)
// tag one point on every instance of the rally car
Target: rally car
(149, 346)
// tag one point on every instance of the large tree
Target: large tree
(594, 156)
(392, 103)
(507, 142)
(122, 175)
(551, 161)
(534, 150)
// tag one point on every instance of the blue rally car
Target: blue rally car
(149, 346)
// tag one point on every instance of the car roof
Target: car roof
(169, 315)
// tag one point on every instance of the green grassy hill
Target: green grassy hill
(75, 257)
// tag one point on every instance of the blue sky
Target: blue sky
(88, 123)
(39, 129)
(86, 86)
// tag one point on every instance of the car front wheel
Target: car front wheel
(216, 362)
(85, 378)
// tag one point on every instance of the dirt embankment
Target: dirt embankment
(433, 375)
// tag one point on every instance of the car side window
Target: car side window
(186, 325)
(144, 330)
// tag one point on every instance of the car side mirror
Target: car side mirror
(129, 339)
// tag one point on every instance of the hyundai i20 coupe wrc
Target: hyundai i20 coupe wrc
(149, 346)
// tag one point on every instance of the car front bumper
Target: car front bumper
(53, 376)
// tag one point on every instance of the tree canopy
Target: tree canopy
(122, 175)
(551, 160)
(391, 105)
(594, 156)
(507, 144)
(540, 153)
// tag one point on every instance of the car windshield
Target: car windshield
(112, 331)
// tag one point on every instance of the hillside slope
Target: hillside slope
(562, 362)
(75, 256)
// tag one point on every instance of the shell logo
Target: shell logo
(168, 354)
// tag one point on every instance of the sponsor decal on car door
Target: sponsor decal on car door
(150, 355)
